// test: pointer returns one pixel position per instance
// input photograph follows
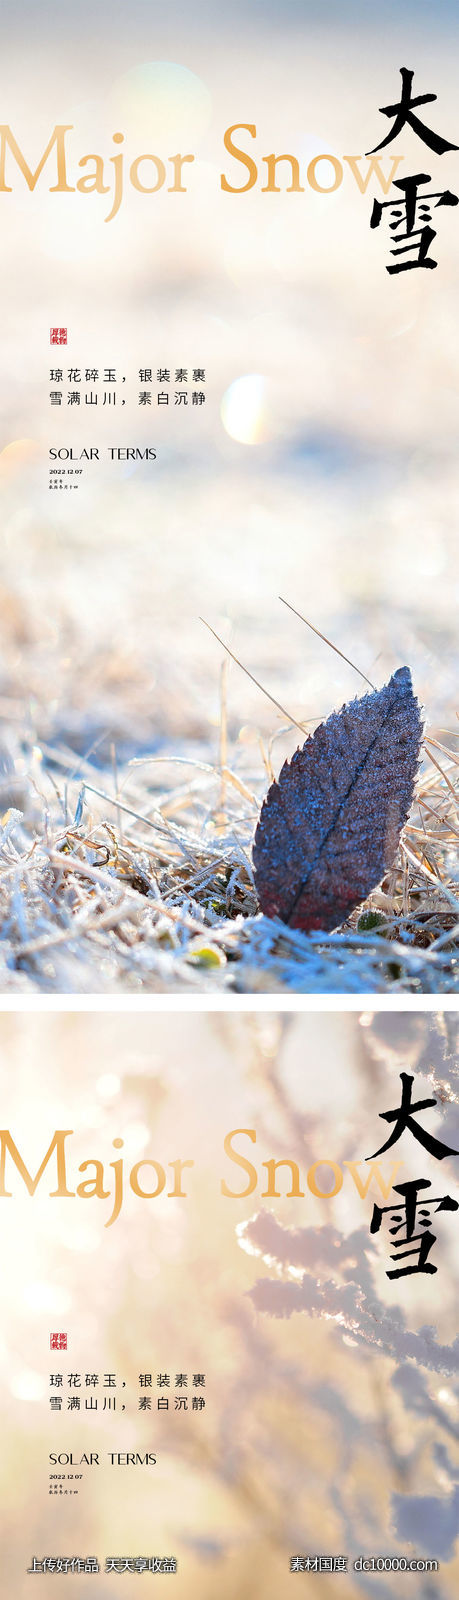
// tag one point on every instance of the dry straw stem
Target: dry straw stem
(150, 888)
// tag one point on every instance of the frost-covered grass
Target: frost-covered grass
(130, 780)
(137, 875)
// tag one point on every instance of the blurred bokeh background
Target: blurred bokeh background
(329, 1424)
(323, 465)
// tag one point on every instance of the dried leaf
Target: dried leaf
(329, 828)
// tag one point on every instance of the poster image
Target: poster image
(212, 1374)
(229, 912)
(228, 374)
